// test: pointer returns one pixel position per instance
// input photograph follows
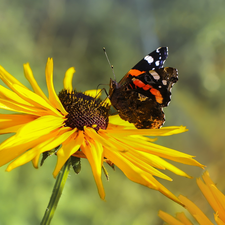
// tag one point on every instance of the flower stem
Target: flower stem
(56, 193)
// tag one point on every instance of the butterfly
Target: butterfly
(139, 97)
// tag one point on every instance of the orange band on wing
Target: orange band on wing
(138, 83)
(147, 87)
(155, 92)
(157, 95)
(135, 72)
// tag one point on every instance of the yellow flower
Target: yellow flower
(215, 198)
(78, 124)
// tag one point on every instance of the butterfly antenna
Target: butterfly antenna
(109, 62)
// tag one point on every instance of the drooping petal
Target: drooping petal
(15, 107)
(10, 123)
(51, 141)
(218, 220)
(9, 95)
(214, 196)
(157, 162)
(148, 147)
(181, 216)
(195, 211)
(32, 130)
(163, 152)
(68, 149)
(93, 134)
(144, 166)
(94, 153)
(63, 134)
(170, 219)
(137, 175)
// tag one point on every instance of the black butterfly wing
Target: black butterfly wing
(153, 60)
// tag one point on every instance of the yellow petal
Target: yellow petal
(68, 148)
(12, 152)
(53, 98)
(159, 163)
(98, 138)
(9, 95)
(116, 120)
(144, 166)
(30, 77)
(148, 132)
(169, 219)
(214, 196)
(35, 99)
(94, 153)
(6, 77)
(63, 134)
(161, 151)
(181, 216)
(218, 220)
(33, 130)
(68, 79)
(96, 93)
(137, 175)
(52, 141)
(11, 106)
(106, 102)
(195, 211)
(12, 122)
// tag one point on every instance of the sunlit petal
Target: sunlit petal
(213, 196)
(169, 219)
(94, 153)
(68, 148)
(67, 82)
(30, 77)
(51, 90)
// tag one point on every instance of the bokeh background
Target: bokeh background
(73, 33)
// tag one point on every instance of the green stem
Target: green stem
(56, 193)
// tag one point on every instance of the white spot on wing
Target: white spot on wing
(157, 63)
(164, 82)
(155, 75)
(149, 59)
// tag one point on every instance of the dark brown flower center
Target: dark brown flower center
(84, 110)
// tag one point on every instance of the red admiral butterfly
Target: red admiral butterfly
(142, 93)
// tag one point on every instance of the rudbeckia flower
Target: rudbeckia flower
(78, 125)
(214, 197)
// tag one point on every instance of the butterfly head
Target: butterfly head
(112, 86)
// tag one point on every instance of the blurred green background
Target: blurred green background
(73, 33)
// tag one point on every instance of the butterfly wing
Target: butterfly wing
(142, 93)
(152, 61)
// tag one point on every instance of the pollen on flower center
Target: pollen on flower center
(84, 110)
